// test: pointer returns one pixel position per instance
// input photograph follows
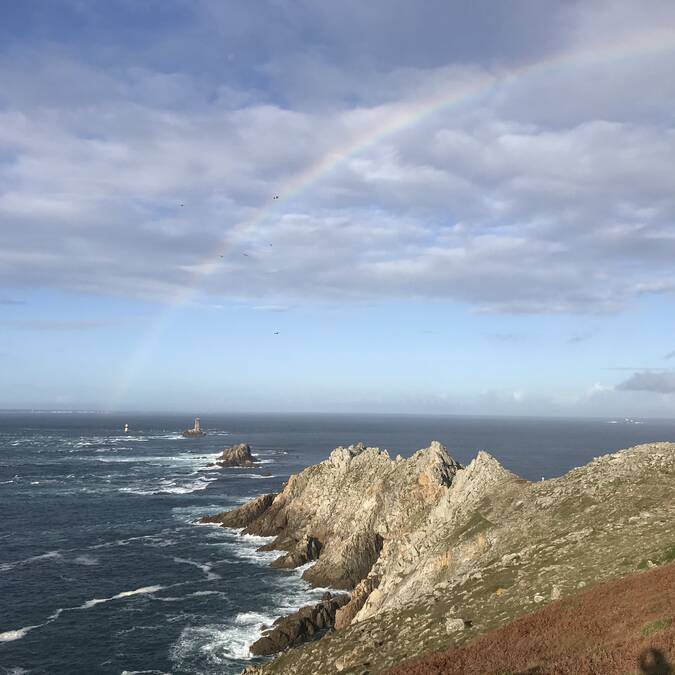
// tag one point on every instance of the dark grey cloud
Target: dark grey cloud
(660, 383)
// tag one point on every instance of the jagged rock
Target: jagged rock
(305, 624)
(353, 503)
(456, 542)
(243, 515)
(305, 551)
(237, 455)
(359, 596)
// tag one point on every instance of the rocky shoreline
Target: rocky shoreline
(433, 553)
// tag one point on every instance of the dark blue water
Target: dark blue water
(102, 569)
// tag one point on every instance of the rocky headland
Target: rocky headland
(237, 455)
(435, 554)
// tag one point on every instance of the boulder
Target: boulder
(237, 455)
(307, 623)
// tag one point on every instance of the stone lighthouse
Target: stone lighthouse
(195, 431)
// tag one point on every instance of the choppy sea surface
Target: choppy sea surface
(103, 569)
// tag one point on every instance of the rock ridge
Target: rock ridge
(463, 550)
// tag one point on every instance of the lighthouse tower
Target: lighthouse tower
(195, 431)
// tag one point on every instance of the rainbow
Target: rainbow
(397, 118)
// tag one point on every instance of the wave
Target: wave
(171, 486)
(17, 634)
(50, 555)
(216, 644)
(145, 590)
(245, 547)
(204, 567)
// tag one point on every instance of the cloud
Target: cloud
(11, 301)
(670, 355)
(505, 201)
(660, 383)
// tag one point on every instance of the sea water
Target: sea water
(103, 569)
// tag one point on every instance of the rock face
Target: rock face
(342, 511)
(425, 543)
(237, 455)
(243, 515)
(306, 624)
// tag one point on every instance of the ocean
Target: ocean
(103, 569)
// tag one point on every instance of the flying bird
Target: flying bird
(246, 254)
(276, 332)
(276, 196)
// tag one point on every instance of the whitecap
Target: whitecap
(219, 643)
(245, 547)
(11, 635)
(204, 567)
(146, 590)
(6, 567)
(172, 486)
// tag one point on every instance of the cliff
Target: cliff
(436, 554)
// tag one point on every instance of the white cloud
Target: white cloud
(527, 198)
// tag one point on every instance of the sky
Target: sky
(404, 206)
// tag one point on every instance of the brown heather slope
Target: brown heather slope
(623, 626)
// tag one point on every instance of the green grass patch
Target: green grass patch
(656, 626)
(643, 564)
(669, 554)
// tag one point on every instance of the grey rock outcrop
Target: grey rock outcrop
(348, 507)
(476, 544)
(306, 624)
(243, 515)
(237, 455)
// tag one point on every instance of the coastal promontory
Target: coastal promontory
(435, 554)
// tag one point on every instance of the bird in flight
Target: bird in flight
(220, 256)
(276, 332)
(276, 196)
(246, 254)
(182, 204)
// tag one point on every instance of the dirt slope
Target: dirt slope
(624, 626)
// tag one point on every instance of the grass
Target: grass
(608, 628)
(656, 626)
(669, 554)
